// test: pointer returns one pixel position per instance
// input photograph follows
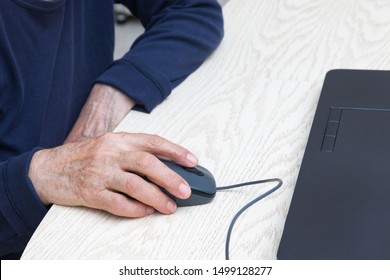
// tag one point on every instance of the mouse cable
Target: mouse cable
(280, 183)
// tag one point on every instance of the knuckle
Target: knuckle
(138, 211)
(120, 206)
(108, 139)
(171, 180)
(154, 141)
(131, 185)
(144, 160)
(115, 205)
(104, 150)
(180, 152)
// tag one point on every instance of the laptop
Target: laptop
(341, 204)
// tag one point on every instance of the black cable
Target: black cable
(280, 183)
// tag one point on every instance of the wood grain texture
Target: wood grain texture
(246, 113)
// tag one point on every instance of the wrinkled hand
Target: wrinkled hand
(106, 173)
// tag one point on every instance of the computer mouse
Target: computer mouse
(201, 181)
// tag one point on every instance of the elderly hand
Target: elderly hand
(107, 173)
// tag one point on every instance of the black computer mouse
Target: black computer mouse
(201, 181)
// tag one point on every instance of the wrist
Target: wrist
(104, 109)
(36, 172)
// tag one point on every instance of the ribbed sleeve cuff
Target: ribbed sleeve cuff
(142, 84)
(20, 203)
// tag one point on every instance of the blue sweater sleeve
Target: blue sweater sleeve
(21, 209)
(178, 37)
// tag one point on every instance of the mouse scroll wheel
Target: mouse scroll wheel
(194, 170)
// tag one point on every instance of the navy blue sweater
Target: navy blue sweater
(51, 53)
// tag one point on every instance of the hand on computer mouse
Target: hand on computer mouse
(106, 173)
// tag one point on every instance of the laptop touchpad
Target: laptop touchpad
(364, 131)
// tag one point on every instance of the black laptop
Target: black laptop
(341, 204)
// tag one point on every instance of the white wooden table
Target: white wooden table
(246, 113)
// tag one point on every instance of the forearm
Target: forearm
(179, 36)
(104, 109)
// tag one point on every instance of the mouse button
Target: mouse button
(206, 186)
(205, 171)
(194, 170)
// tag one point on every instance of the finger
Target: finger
(164, 148)
(147, 193)
(150, 166)
(120, 205)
